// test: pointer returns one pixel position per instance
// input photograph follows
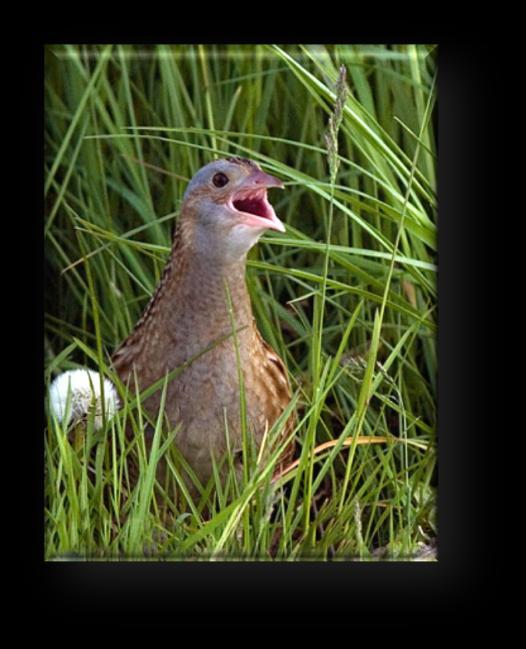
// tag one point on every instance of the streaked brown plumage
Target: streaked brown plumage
(189, 314)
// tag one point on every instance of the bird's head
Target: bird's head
(226, 202)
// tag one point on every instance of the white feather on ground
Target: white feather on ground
(85, 389)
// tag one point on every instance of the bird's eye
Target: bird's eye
(220, 180)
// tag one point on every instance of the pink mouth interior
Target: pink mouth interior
(254, 204)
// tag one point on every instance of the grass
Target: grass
(347, 296)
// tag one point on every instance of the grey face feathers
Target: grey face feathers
(227, 200)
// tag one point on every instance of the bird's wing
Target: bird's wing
(276, 372)
(125, 354)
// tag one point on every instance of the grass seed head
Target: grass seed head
(335, 120)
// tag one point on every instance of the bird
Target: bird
(200, 320)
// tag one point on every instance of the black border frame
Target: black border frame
(351, 594)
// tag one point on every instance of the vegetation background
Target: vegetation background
(347, 295)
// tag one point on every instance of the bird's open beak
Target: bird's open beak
(251, 203)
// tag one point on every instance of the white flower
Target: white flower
(84, 386)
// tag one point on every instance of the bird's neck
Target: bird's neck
(201, 298)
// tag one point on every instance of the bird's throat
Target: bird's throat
(199, 301)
